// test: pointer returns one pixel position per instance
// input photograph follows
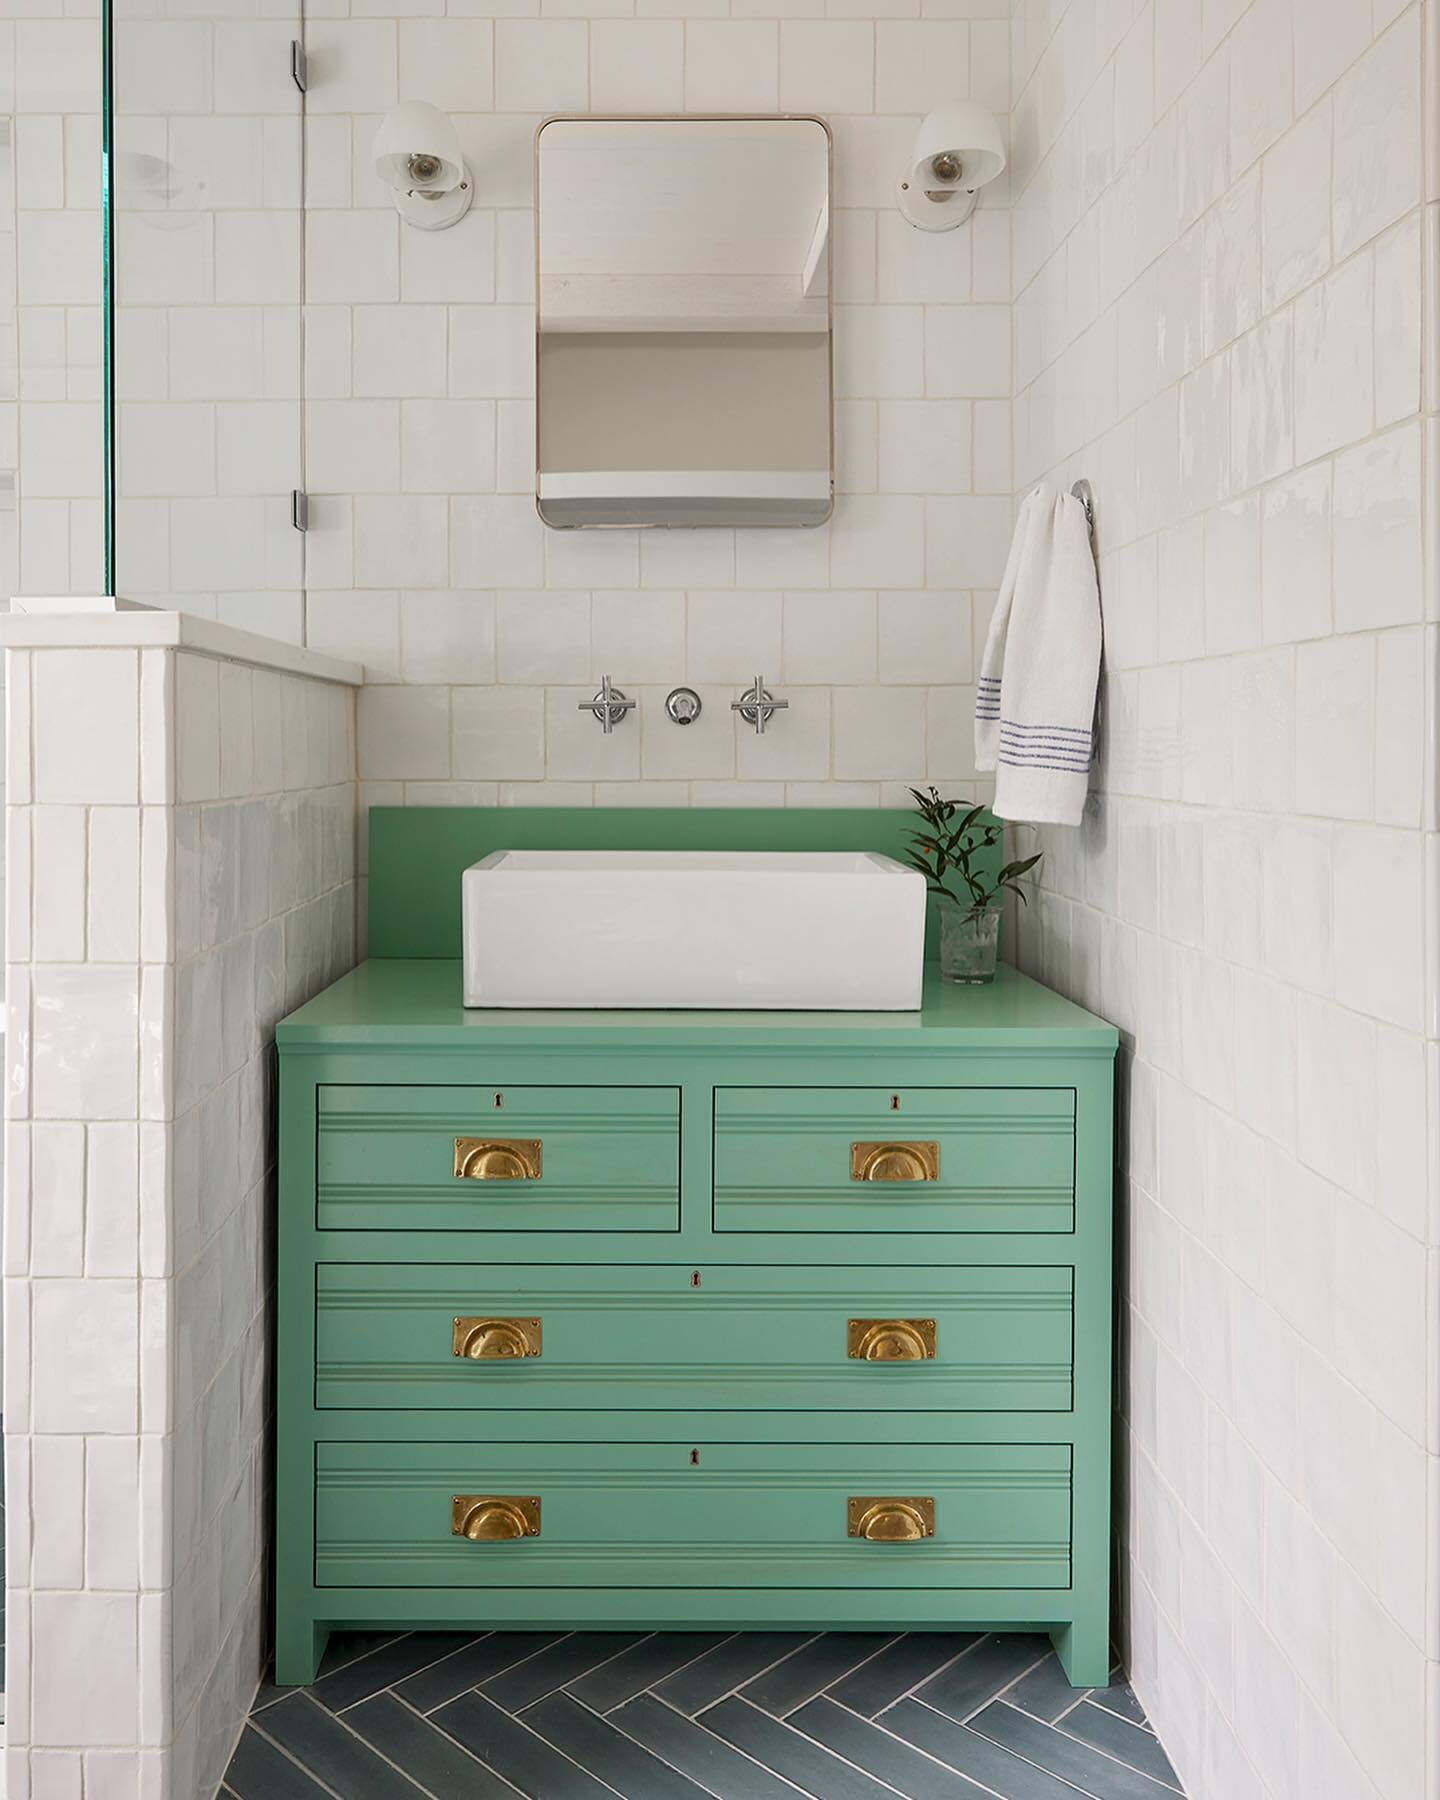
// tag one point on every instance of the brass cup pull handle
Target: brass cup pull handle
(497, 1159)
(494, 1518)
(890, 1520)
(895, 1162)
(493, 1340)
(891, 1340)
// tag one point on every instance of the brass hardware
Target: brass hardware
(497, 1159)
(894, 1162)
(889, 1520)
(485, 1340)
(891, 1340)
(494, 1518)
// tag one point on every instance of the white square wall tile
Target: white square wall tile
(1378, 137)
(827, 66)
(86, 1340)
(829, 637)
(1378, 540)
(541, 65)
(730, 65)
(499, 733)
(97, 760)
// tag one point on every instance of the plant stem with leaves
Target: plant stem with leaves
(946, 851)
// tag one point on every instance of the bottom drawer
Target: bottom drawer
(692, 1515)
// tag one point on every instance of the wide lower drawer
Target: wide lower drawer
(978, 1339)
(490, 1159)
(692, 1516)
(887, 1160)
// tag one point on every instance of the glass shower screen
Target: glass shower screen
(203, 288)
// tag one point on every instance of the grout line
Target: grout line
(650, 1695)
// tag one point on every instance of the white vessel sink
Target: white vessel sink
(819, 930)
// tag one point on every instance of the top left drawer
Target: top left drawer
(498, 1159)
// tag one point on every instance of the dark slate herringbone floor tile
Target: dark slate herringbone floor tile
(881, 1754)
(716, 1765)
(319, 1742)
(607, 1751)
(556, 1667)
(382, 1668)
(527, 1762)
(898, 1669)
(1119, 1698)
(981, 1673)
(443, 1769)
(258, 1771)
(798, 1758)
(1118, 1737)
(468, 1668)
(641, 1666)
(961, 1748)
(671, 1716)
(807, 1671)
(1044, 1692)
(1065, 1756)
(725, 1668)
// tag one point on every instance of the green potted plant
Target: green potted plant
(945, 854)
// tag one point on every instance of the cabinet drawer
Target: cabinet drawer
(685, 1515)
(882, 1160)
(491, 1159)
(421, 1335)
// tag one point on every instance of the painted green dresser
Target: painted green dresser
(682, 1319)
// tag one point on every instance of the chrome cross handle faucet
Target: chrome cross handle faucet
(609, 706)
(757, 705)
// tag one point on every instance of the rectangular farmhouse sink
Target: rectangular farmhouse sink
(822, 930)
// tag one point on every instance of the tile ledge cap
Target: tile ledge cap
(103, 622)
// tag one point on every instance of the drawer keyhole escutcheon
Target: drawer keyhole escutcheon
(895, 1162)
(497, 1159)
(890, 1520)
(491, 1340)
(494, 1518)
(891, 1340)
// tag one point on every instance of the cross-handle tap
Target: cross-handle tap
(757, 705)
(609, 706)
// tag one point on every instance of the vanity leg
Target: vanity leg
(1084, 1652)
(299, 1645)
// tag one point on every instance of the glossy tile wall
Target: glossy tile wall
(51, 62)
(479, 630)
(183, 876)
(1218, 263)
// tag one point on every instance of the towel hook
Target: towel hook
(1083, 492)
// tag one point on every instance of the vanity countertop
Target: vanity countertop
(414, 1001)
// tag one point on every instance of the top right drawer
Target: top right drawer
(895, 1160)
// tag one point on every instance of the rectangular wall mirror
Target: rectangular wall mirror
(683, 322)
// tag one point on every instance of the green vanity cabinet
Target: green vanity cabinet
(687, 1320)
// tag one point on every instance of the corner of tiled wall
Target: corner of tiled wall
(1219, 303)
(183, 875)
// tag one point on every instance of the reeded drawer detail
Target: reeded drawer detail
(892, 1161)
(498, 1159)
(649, 1338)
(697, 1516)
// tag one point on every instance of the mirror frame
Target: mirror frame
(698, 118)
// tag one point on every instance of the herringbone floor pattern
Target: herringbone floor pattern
(683, 1715)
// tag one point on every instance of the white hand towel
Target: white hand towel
(1035, 699)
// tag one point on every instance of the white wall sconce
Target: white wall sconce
(957, 150)
(417, 153)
